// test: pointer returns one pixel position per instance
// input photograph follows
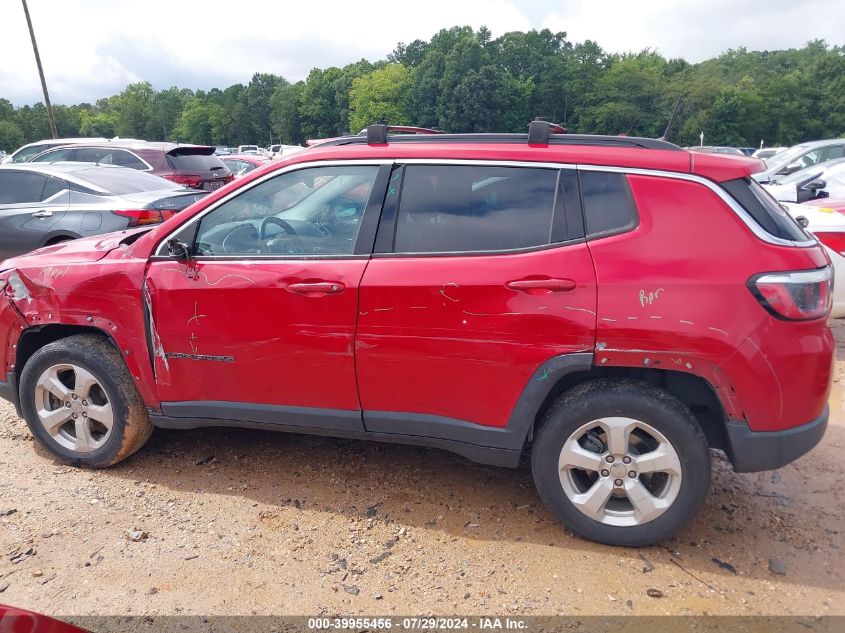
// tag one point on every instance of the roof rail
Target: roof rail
(539, 131)
(381, 137)
(377, 134)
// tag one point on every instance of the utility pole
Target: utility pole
(40, 73)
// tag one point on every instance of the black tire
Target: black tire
(640, 401)
(131, 424)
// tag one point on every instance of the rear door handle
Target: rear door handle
(44, 213)
(533, 286)
(317, 288)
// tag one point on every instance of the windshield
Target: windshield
(785, 157)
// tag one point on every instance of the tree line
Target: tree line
(463, 80)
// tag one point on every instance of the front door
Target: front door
(258, 324)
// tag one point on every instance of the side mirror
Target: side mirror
(789, 169)
(802, 221)
(178, 249)
(815, 185)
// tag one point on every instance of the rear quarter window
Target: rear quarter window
(764, 209)
(607, 202)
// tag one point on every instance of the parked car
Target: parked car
(800, 157)
(826, 221)
(222, 150)
(42, 205)
(247, 149)
(278, 151)
(27, 152)
(748, 151)
(767, 152)
(241, 164)
(485, 294)
(195, 166)
(826, 180)
(716, 149)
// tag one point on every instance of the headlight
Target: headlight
(18, 287)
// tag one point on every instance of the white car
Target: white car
(826, 220)
(800, 157)
(25, 152)
(764, 153)
(820, 181)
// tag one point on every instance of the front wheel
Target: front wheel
(80, 403)
(622, 463)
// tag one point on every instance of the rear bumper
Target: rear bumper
(753, 451)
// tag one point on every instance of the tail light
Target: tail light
(834, 240)
(795, 296)
(141, 217)
(189, 181)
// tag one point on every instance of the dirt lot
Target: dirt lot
(242, 522)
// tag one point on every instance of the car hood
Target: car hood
(87, 249)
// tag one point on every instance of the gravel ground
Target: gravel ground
(246, 522)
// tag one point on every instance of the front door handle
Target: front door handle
(44, 213)
(542, 286)
(317, 288)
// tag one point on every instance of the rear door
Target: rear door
(30, 204)
(481, 275)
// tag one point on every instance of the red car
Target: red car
(195, 166)
(614, 306)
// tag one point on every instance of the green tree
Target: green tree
(11, 136)
(285, 113)
(380, 95)
(135, 108)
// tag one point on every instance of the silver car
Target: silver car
(43, 204)
(800, 157)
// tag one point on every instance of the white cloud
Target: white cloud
(700, 30)
(93, 48)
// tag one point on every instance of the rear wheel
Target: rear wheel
(80, 403)
(621, 462)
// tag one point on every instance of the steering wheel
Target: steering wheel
(286, 228)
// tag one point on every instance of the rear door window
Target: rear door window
(21, 187)
(608, 203)
(448, 208)
(102, 155)
(128, 159)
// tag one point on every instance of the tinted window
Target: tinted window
(54, 185)
(765, 210)
(456, 208)
(194, 162)
(20, 187)
(608, 204)
(53, 156)
(311, 211)
(121, 181)
(128, 159)
(25, 154)
(94, 155)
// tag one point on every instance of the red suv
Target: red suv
(614, 306)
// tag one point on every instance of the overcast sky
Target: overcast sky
(93, 48)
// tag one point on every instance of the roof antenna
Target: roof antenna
(671, 120)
